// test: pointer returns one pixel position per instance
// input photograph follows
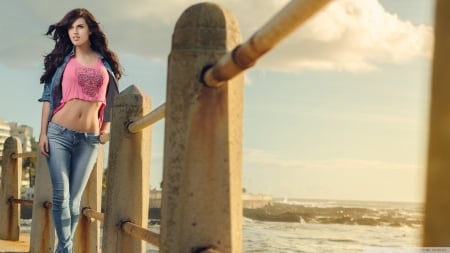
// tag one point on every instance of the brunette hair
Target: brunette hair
(63, 46)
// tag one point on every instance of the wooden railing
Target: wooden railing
(201, 197)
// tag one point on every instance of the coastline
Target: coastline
(332, 218)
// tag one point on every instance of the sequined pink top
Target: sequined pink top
(85, 83)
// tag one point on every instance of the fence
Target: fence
(201, 193)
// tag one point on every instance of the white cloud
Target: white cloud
(348, 35)
(352, 35)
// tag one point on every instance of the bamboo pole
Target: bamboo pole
(147, 120)
(143, 122)
(24, 202)
(276, 29)
(93, 215)
(141, 233)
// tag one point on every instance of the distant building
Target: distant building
(23, 132)
(5, 130)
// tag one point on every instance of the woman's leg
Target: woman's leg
(58, 163)
(84, 157)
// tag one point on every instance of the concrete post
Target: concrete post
(10, 188)
(42, 235)
(201, 202)
(87, 235)
(127, 185)
(437, 209)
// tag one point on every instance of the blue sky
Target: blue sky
(337, 111)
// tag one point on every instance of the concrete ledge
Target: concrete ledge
(21, 246)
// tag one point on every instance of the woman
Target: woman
(79, 85)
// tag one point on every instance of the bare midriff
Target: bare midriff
(79, 115)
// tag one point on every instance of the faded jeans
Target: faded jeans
(72, 156)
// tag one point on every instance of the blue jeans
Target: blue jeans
(72, 156)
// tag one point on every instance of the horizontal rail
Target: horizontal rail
(147, 120)
(24, 202)
(245, 55)
(140, 233)
(29, 202)
(206, 250)
(93, 215)
(25, 154)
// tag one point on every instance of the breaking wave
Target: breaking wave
(352, 213)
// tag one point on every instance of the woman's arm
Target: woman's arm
(43, 140)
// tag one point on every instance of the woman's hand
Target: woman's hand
(43, 145)
(104, 138)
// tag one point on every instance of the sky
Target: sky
(337, 110)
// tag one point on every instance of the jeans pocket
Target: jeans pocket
(54, 131)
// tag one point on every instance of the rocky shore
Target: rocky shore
(279, 212)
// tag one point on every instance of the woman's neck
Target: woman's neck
(86, 56)
(84, 50)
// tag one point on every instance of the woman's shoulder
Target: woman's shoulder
(68, 57)
(104, 61)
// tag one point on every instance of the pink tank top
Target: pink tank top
(85, 83)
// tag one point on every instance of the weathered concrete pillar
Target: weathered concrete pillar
(127, 185)
(87, 235)
(10, 188)
(42, 237)
(437, 209)
(202, 204)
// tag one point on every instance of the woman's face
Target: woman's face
(79, 32)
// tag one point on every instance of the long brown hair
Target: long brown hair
(63, 46)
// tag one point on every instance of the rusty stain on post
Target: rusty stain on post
(47, 205)
(47, 227)
(280, 26)
(42, 235)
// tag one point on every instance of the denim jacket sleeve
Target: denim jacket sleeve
(111, 92)
(46, 92)
(54, 81)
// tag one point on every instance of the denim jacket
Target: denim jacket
(53, 91)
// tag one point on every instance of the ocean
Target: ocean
(328, 226)
(334, 226)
